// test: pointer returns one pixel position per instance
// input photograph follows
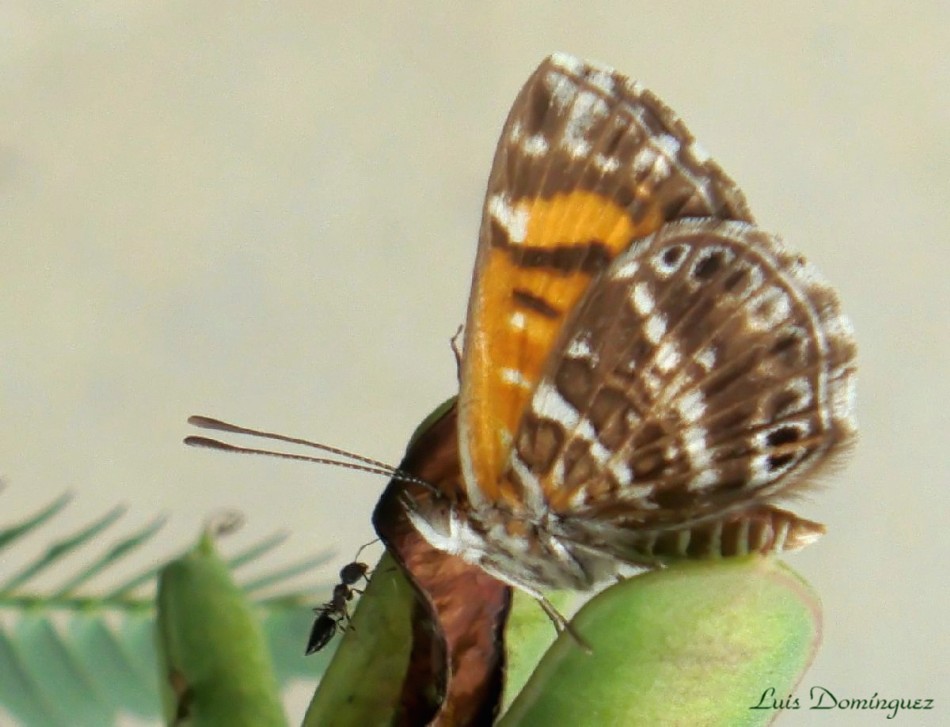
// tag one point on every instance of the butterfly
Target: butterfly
(645, 372)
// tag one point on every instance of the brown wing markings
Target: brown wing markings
(535, 304)
(565, 201)
(812, 441)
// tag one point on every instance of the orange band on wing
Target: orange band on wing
(523, 292)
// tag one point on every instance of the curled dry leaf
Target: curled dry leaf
(456, 667)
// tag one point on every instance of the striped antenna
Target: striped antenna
(357, 462)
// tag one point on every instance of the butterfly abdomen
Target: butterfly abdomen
(761, 530)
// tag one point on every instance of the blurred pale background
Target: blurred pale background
(269, 214)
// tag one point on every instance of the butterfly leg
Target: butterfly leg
(457, 350)
(561, 623)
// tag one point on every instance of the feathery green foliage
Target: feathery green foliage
(70, 655)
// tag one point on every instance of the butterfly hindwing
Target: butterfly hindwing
(708, 369)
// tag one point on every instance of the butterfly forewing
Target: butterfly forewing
(707, 370)
(587, 163)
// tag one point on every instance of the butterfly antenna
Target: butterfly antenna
(359, 462)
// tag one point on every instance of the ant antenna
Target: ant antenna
(359, 462)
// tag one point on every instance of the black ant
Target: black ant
(335, 614)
